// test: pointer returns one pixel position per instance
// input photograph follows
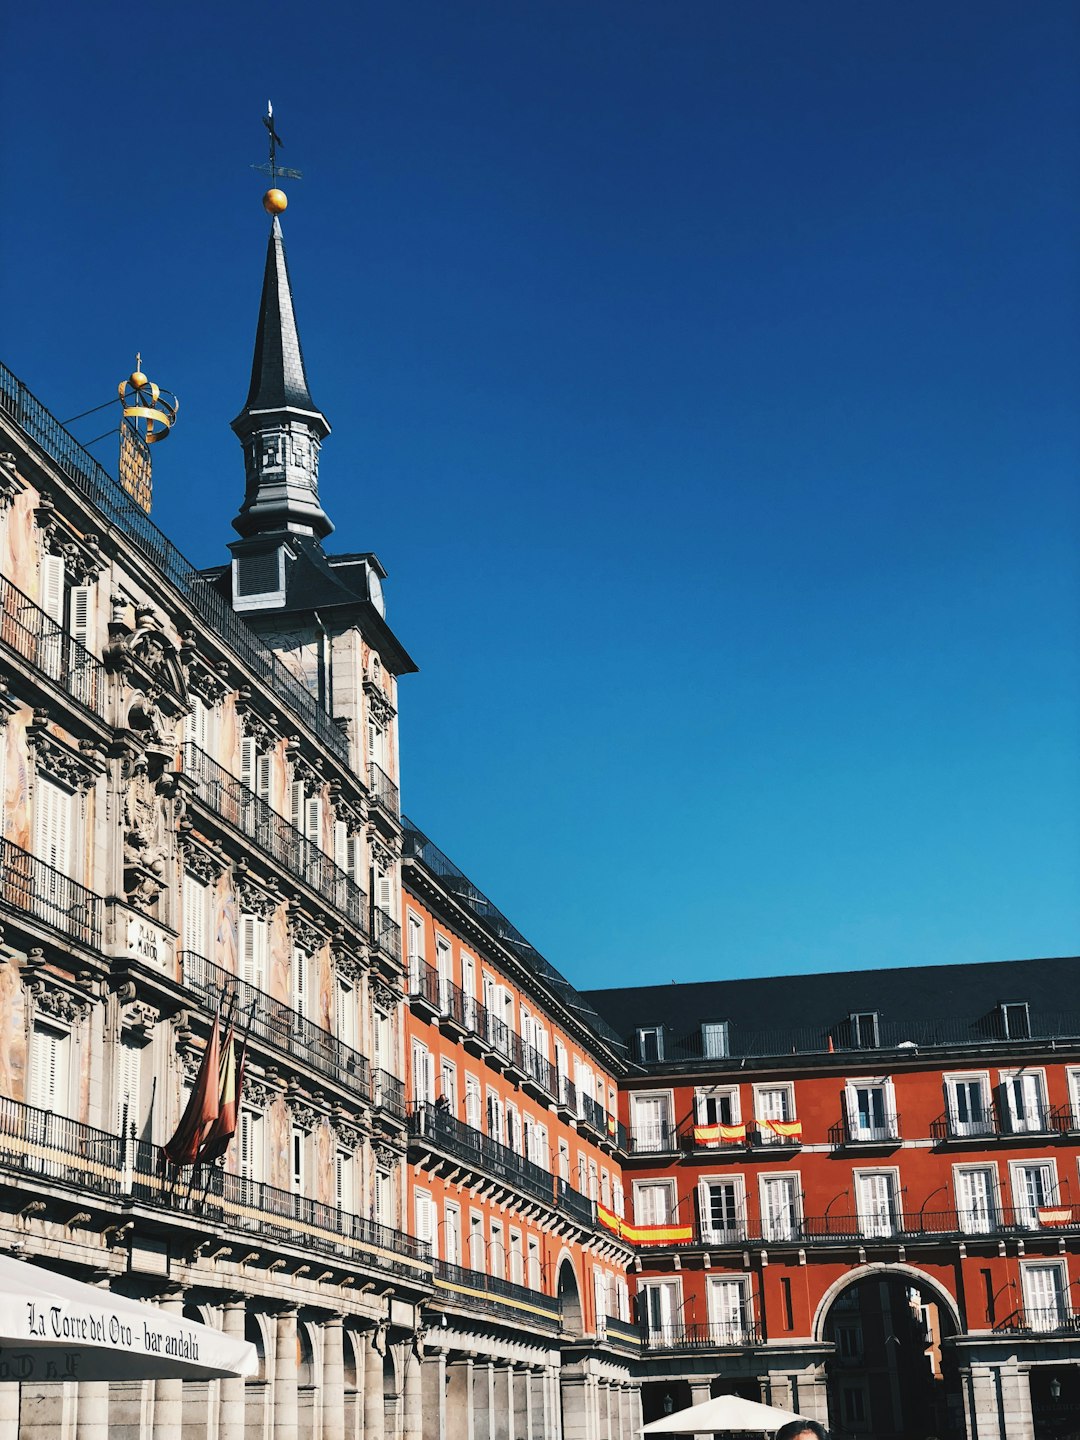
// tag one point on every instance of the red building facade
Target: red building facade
(869, 1216)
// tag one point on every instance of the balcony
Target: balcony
(386, 933)
(59, 1151)
(951, 1128)
(478, 1292)
(619, 1334)
(866, 1132)
(439, 1130)
(1066, 1119)
(388, 1094)
(241, 809)
(655, 1138)
(119, 511)
(282, 1028)
(720, 1336)
(36, 638)
(233, 1203)
(47, 898)
(384, 792)
(1034, 1119)
(593, 1115)
(1053, 1320)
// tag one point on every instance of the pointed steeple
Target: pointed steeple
(280, 426)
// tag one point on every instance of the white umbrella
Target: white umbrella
(55, 1328)
(726, 1412)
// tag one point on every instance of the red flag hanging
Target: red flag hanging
(230, 1078)
(201, 1111)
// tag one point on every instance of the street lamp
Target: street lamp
(1055, 1389)
(668, 1403)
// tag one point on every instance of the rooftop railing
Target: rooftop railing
(235, 1203)
(47, 897)
(281, 1027)
(478, 1291)
(247, 812)
(36, 637)
(120, 511)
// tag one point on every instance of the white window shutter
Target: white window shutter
(195, 896)
(299, 981)
(297, 801)
(52, 825)
(81, 615)
(248, 759)
(313, 820)
(263, 776)
(52, 587)
(253, 949)
(129, 1058)
(341, 845)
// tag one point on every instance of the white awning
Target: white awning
(56, 1328)
(725, 1412)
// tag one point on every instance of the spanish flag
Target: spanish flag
(787, 1129)
(201, 1112)
(713, 1134)
(1055, 1214)
(230, 1082)
(645, 1234)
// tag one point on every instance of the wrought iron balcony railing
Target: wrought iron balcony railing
(36, 637)
(383, 790)
(277, 1024)
(1034, 1119)
(47, 897)
(620, 1334)
(1066, 1119)
(386, 933)
(592, 1113)
(121, 511)
(235, 1203)
(857, 1129)
(444, 1132)
(388, 1093)
(60, 1151)
(729, 1335)
(478, 1291)
(952, 1126)
(1047, 1320)
(656, 1138)
(243, 810)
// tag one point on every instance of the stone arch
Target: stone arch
(255, 1332)
(891, 1270)
(568, 1291)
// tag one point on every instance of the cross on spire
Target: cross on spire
(271, 167)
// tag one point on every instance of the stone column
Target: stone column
(92, 1410)
(169, 1394)
(9, 1410)
(412, 1421)
(813, 1395)
(520, 1378)
(459, 1401)
(502, 1402)
(333, 1379)
(373, 1389)
(285, 1409)
(231, 1392)
(433, 1395)
(482, 1391)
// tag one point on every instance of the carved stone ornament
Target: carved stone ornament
(384, 996)
(349, 1136)
(51, 998)
(10, 484)
(303, 771)
(303, 1115)
(382, 857)
(385, 1154)
(258, 1094)
(352, 814)
(204, 678)
(139, 1017)
(305, 935)
(8, 703)
(254, 899)
(146, 853)
(81, 554)
(380, 708)
(189, 1060)
(347, 966)
(262, 729)
(77, 769)
(206, 863)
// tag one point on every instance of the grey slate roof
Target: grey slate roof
(278, 377)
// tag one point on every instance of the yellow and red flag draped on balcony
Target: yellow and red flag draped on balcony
(645, 1234)
(1055, 1214)
(713, 1134)
(201, 1111)
(785, 1129)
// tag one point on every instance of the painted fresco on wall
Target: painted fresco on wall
(12, 1031)
(17, 781)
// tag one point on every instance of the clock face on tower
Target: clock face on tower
(375, 591)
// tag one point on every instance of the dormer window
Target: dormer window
(714, 1039)
(650, 1045)
(864, 1030)
(1015, 1020)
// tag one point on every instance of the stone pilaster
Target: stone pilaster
(92, 1410)
(285, 1409)
(169, 1394)
(373, 1388)
(231, 1392)
(333, 1379)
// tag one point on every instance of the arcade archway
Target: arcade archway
(573, 1322)
(892, 1375)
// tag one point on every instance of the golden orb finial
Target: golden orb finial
(275, 201)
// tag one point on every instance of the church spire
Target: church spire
(280, 426)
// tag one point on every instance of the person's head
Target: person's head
(802, 1430)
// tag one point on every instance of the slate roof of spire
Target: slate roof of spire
(278, 378)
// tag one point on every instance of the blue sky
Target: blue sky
(705, 374)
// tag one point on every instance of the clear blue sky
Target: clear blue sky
(706, 376)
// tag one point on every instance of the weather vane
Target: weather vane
(274, 200)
